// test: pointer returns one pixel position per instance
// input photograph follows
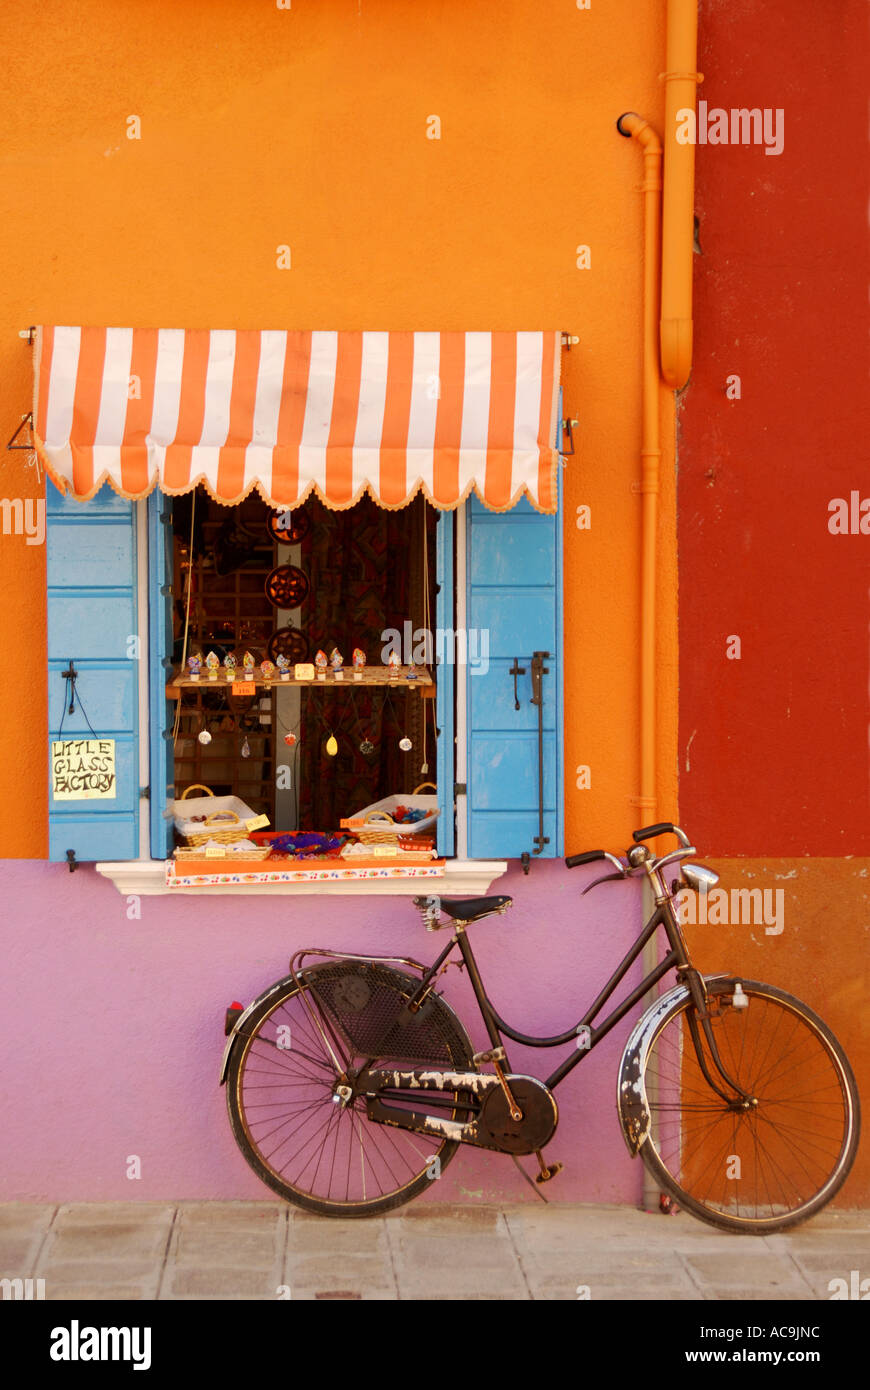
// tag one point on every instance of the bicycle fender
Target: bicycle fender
(631, 1099)
(242, 1019)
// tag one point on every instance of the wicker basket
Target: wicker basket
(238, 856)
(224, 826)
(381, 829)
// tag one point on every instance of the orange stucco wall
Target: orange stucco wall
(308, 127)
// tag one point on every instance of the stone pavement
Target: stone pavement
(264, 1250)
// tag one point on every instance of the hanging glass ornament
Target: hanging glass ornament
(367, 748)
(405, 744)
(290, 740)
(331, 746)
(204, 736)
(246, 748)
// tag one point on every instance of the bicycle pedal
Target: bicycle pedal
(549, 1172)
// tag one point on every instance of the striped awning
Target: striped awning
(288, 413)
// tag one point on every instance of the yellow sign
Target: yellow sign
(257, 822)
(303, 671)
(83, 769)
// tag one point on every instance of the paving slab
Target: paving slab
(88, 1293)
(337, 1237)
(107, 1241)
(221, 1283)
(236, 1216)
(114, 1214)
(33, 1216)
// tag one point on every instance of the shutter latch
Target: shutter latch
(71, 860)
(516, 670)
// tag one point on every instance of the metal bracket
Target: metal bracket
(568, 428)
(71, 860)
(568, 339)
(495, 1054)
(460, 789)
(71, 675)
(24, 448)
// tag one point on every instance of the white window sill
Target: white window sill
(461, 877)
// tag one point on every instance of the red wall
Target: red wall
(773, 748)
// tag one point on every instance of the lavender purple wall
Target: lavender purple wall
(113, 1029)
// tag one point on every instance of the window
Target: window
(474, 588)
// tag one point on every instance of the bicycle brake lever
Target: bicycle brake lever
(608, 878)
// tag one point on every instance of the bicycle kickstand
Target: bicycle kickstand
(547, 1172)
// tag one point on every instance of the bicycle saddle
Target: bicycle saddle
(467, 909)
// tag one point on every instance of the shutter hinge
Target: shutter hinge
(166, 590)
(166, 518)
(460, 789)
(146, 792)
(71, 860)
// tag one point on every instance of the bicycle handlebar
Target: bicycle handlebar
(647, 832)
(572, 860)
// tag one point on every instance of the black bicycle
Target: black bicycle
(351, 1082)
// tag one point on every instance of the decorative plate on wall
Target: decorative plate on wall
(300, 525)
(287, 586)
(290, 642)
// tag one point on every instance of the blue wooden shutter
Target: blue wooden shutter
(160, 638)
(514, 565)
(92, 614)
(444, 716)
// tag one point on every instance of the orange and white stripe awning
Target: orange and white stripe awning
(288, 413)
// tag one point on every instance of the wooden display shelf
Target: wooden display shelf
(372, 675)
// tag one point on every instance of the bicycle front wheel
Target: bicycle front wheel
(282, 1079)
(776, 1163)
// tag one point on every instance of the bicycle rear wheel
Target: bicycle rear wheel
(775, 1164)
(282, 1077)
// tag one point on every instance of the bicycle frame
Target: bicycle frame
(591, 1035)
(372, 1080)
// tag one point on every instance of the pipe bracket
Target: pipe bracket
(697, 77)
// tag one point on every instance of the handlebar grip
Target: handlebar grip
(591, 855)
(649, 832)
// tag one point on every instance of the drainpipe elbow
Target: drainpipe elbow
(634, 127)
(676, 351)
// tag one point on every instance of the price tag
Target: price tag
(243, 688)
(304, 671)
(257, 822)
(215, 852)
(385, 851)
(350, 822)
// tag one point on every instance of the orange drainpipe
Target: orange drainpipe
(634, 127)
(669, 235)
(678, 209)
